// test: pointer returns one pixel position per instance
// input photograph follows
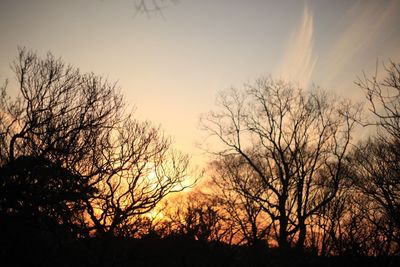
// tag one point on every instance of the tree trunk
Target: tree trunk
(302, 235)
(283, 234)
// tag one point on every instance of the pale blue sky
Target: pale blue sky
(171, 68)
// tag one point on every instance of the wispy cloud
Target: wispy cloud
(299, 60)
(365, 36)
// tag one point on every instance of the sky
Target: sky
(170, 65)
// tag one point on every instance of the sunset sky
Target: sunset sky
(171, 65)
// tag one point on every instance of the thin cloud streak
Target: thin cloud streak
(365, 24)
(299, 61)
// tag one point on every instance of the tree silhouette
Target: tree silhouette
(233, 180)
(197, 217)
(68, 135)
(137, 170)
(376, 162)
(294, 141)
(60, 117)
(42, 193)
(383, 96)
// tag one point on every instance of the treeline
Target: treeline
(82, 182)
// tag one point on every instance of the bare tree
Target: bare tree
(383, 96)
(232, 180)
(137, 170)
(332, 230)
(376, 175)
(363, 217)
(295, 141)
(76, 125)
(196, 216)
(59, 117)
(376, 167)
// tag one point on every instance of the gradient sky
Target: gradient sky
(170, 67)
